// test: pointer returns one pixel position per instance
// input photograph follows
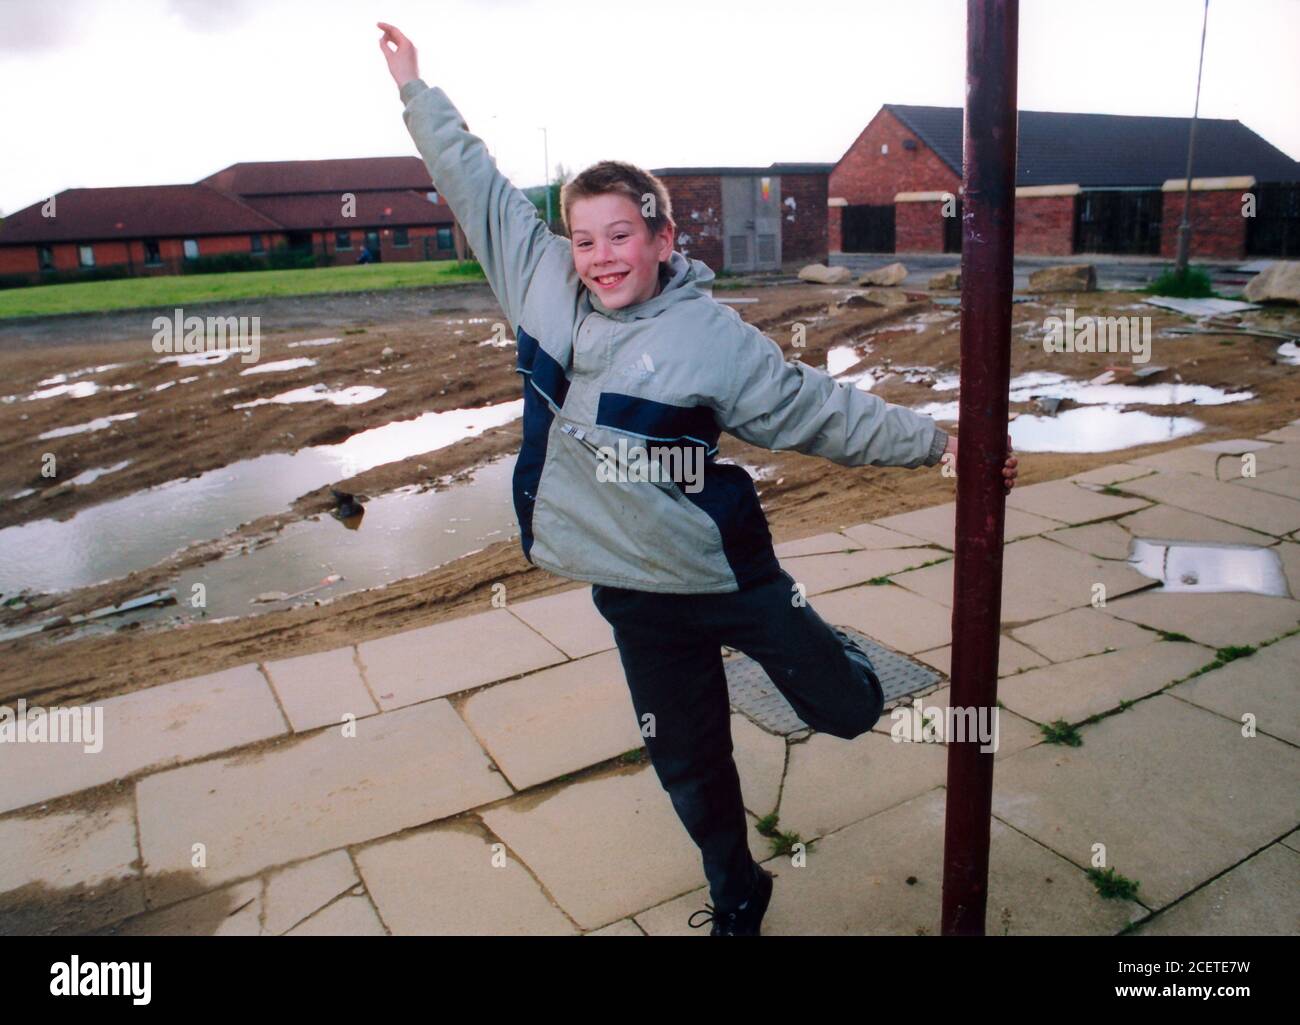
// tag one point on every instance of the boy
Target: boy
(618, 346)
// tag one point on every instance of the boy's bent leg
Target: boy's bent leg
(805, 658)
(673, 665)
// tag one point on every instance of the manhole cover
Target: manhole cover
(753, 692)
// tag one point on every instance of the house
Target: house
(749, 218)
(1085, 183)
(327, 208)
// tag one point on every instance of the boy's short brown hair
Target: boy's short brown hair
(640, 186)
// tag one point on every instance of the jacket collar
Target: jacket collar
(682, 279)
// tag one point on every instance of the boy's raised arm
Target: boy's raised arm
(768, 401)
(510, 240)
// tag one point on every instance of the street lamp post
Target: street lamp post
(1185, 226)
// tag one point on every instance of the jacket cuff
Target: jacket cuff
(412, 88)
(937, 445)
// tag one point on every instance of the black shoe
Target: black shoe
(743, 921)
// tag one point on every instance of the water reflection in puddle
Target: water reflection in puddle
(114, 538)
(353, 396)
(276, 366)
(98, 424)
(1046, 383)
(1091, 429)
(1206, 567)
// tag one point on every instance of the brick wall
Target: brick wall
(918, 227)
(803, 225)
(1045, 225)
(1218, 229)
(697, 211)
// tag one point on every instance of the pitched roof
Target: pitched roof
(358, 174)
(1110, 149)
(318, 210)
(772, 169)
(135, 211)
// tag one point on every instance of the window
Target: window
(46, 255)
(343, 240)
(444, 238)
(372, 242)
(255, 244)
(87, 255)
(152, 254)
(432, 196)
(191, 249)
(400, 237)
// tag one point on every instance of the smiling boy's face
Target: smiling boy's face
(613, 250)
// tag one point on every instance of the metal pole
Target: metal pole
(1185, 227)
(546, 157)
(988, 213)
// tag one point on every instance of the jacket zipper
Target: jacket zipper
(579, 435)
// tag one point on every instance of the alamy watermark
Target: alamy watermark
(83, 725)
(682, 464)
(195, 334)
(1098, 334)
(935, 724)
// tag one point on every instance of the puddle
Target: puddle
(207, 358)
(1206, 567)
(402, 534)
(89, 476)
(1091, 429)
(167, 384)
(839, 358)
(98, 424)
(353, 396)
(1047, 383)
(278, 365)
(312, 341)
(79, 390)
(1289, 353)
(113, 538)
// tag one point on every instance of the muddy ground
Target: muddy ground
(437, 363)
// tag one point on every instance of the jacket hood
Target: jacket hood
(685, 279)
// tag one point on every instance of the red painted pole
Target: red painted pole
(988, 235)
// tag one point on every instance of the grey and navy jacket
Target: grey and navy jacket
(675, 370)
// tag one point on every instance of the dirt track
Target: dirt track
(438, 365)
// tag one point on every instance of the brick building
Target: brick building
(329, 208)
(1085, 183)
(749, 218)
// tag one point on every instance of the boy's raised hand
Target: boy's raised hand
(1009, 470)
(403, 63)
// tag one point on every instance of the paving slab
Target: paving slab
(1012, 657)
(1081, 632)
(1291, 432)
(1013, 732)
(623, 927)
(1112, 473)
(1189, 459)
(1259, 897)
(230, 911)
(557, 720)
(1107, 540)
(1234, 446)
(820, 544)
(307, 796)
(760, 763)
(1073, 691)
(1169, 523)
(64, 873)
(831, 782)
(1127, 787)
(347, 916)
(456, 880)
(872, 535)
(430, 662)
(1289, 553)
(1292, 840)
(295, 893)
(1071, 502)
(569, 620)
(603, 847)
(320, 689)
(1262, 686)
(159, 726)
(883, 876)
(1285, 453)
(1269, 514)
(1039, 578)
(937, 524)
(1284, 482)
(892, 615)
(1218, 620)
(822, 573)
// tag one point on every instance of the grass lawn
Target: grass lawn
(183, 289)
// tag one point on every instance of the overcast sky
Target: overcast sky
(99, 92)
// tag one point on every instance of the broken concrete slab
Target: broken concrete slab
(822, 573)
(1284, 482)
(937, 524)
(820, 544)
(1217, 620)
(556, 721)
(1270, 514)
(1127, 787)
(320, 689)
(1070, 502)
(307, 796)
(892, 615)
(1112, 473)
(1105, 540)
(1255, 898)
(417, 665)
(1169, 523)
(158, 726)
(1014, 732)
(69, 872)
(760, 761)
(1200, 307)
(1013, 657)
(1089, 686)
(296, 892)
(353, 915)
(603, 847)
(457, 881)
(1260, 686)
(569, 620)
(234, 910)
(1082, 632)
(872, 535)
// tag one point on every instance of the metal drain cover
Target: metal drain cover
(752, 691)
